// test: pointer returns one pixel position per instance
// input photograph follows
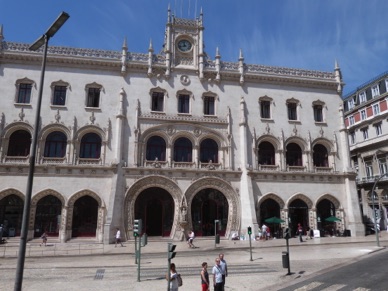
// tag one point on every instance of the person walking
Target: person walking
(44, 237)
(173, 278)
(205, 278)
(264, 231)
(224, 269)
(191, 239)
(300, 232)
(118, 237)
(217, 275)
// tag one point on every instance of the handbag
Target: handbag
(180, 281)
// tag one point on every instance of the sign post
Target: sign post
(286, 255)
(137, 230)
(216, 238)
(250, 241)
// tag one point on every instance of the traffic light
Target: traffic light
(137, 227)
(249, 230)
(287, 233)
(171, 253)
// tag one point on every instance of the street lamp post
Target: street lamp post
(42, 41)
(374, 211)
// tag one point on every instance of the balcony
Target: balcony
(296, 168)
(323, 169)
(370, 179)
(53, 161)
(156, 164)
(268, 168)
(183, 165)
(210, 166)
(16, 160)
(87, 161)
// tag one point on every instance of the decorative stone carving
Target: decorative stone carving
(185, 80)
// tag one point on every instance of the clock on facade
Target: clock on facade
(184, 45)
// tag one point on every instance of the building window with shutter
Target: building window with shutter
(184, 103)
(24, 93)
(157, 102)
(265, 109)
(59, 95)
(375, 90)
(209, 105)
(292, 111)
(318, 113)
(93, 98)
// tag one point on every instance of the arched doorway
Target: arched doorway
(11, 213)
(209, 205)
(298, 213)
(85, 217)
(325, 208)
(48, 216)
(155, 207)
(270, 208)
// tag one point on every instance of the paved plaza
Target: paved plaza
(84, 265)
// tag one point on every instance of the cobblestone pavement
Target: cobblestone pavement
(115, 268)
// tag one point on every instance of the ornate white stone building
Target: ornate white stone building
(176, 139)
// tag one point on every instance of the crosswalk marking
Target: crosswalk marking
(334, 287)
(310, 286)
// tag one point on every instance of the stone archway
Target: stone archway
(11, 211)
(325, 206)
(298, 211)
(58, 209)
(69, 213)
(148, 182)
(234, 212)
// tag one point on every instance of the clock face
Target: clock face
(184, 45)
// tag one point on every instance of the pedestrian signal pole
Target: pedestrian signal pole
(137, 230)
(286, 255)
(250, 241)
(170, 255)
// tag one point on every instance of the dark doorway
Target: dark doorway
(85, 217)
(11, 213)
(209, 205)
(155, 207)
(298, 213)
(325, 209)
(270, 208)
(48, 216)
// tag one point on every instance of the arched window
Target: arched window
(266, 153)
(208, 151)
(183, 150)
(55, 146)
(156, 148)
(320, 156)
(90, 146)
(19, 144)
(294, 155)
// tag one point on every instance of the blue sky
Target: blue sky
(308, 34)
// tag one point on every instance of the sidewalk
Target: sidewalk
(85, 246)
(75, 269)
